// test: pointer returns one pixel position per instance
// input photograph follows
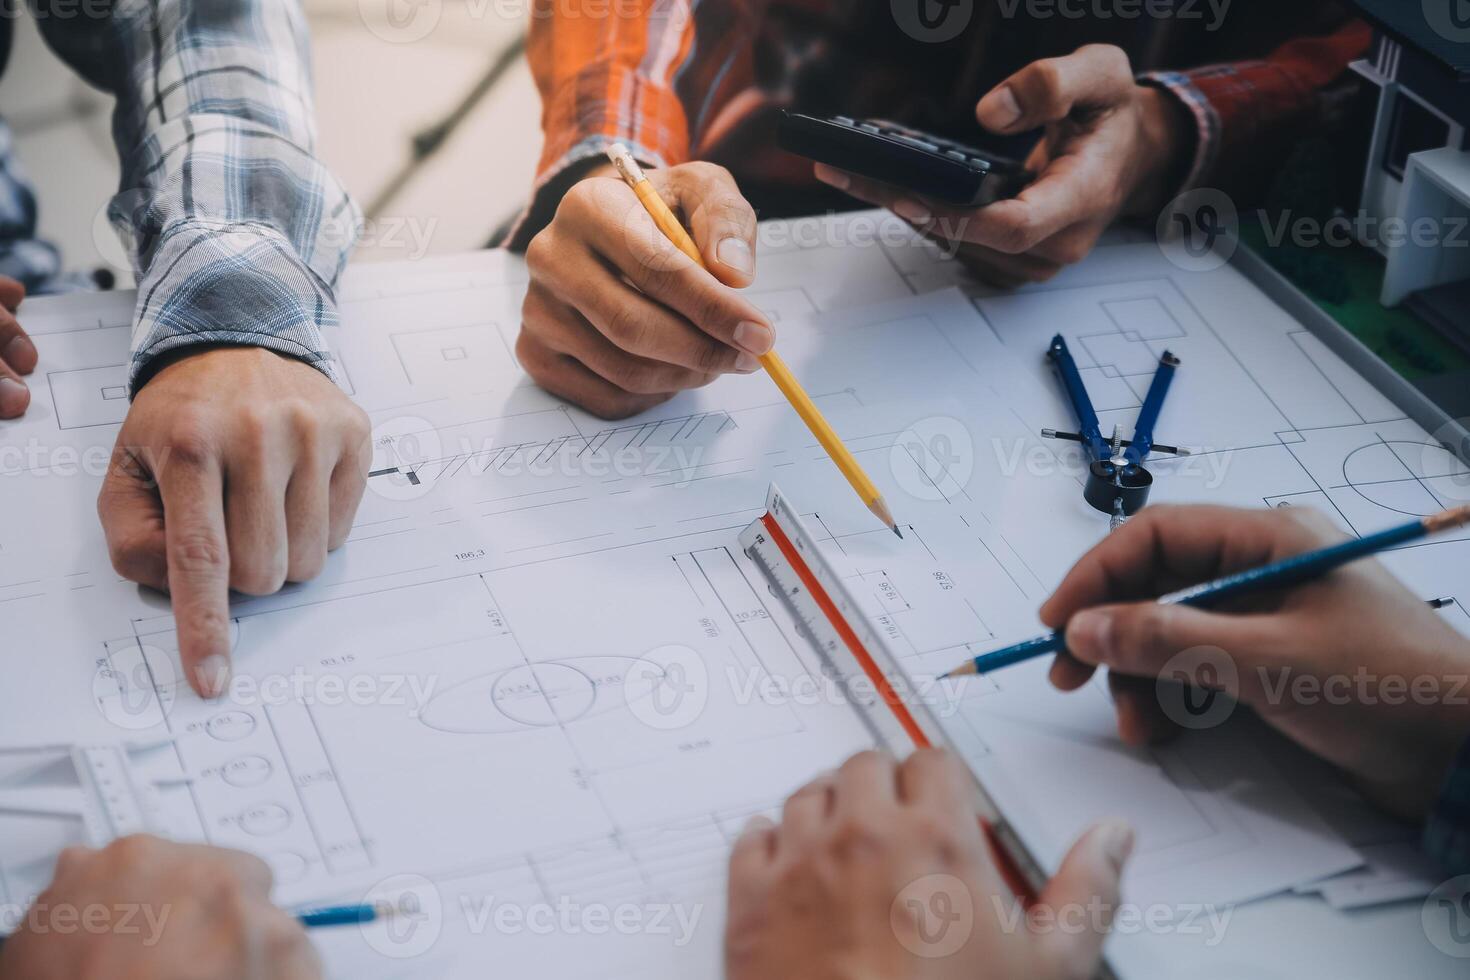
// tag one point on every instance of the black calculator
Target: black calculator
(926, 164)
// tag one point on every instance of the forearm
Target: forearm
(604, 80)
(1246, 115)
(237, 231)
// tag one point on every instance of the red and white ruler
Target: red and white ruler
(828, 617)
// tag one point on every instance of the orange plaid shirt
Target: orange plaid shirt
(678, 80)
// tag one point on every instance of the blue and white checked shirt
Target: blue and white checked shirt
(237, 233)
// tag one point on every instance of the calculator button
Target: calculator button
(956, 155)
(843, 120)
(868, 128)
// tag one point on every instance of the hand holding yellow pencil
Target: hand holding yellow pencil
(668, 223)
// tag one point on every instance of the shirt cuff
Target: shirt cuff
(587, 113)
(1447, 831)
(234, 284)
(558, 178)
(1206, 122)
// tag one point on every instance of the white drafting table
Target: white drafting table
(1284, 936)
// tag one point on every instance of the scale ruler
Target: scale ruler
(832, 621)
(102, 791)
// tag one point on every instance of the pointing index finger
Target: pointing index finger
(198, 570)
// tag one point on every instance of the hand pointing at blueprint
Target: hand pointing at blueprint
(236, 469)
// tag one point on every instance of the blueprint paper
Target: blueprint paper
(534, 581)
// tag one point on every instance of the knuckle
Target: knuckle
(943, 836)
(1048, 77)
(263, 579)
(304, 424)
(135, 849)
(197, 550)
(864, 759)
(730, 209)
(534, 305)
(1070, 251)
(704, 172)
(577, 203)
(858, 835)
(1149, 630)
(540, 253)
(1014, 233)
(209, 621)
(359, 426)
(634, 377)
(531, 354)
(661, 277)
(627, 328)
(711, 357)
(70, 859)
(252, 424)
(308, 564)
(709, 308)
(189, 442)
(624, 405)
(216, 882)
(130, 553)
(1114, 58)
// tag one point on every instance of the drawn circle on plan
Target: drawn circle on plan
(135, 686)
(287, 866)
(668, 687)
(544, 694)
(417, 919)
(265, 820)
(248, 770)
(1443, 462)
(231, 726)
(1415, 479)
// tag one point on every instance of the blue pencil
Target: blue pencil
(336, 915)
(343, 915)
(1278, 575)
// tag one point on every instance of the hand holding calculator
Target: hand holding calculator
(929, 165)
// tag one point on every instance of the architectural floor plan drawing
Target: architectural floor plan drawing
(541, 668)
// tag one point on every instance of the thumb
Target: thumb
(1082, 897)
(1051, 89)
(721, 220)
(1143, 638)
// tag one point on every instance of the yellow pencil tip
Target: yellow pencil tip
(880, 510)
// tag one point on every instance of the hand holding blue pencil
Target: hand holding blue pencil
(1282, 574)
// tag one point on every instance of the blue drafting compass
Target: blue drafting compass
(1117, 482)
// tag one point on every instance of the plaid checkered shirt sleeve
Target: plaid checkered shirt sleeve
(237, 232)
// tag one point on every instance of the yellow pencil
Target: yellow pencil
(667, 223)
